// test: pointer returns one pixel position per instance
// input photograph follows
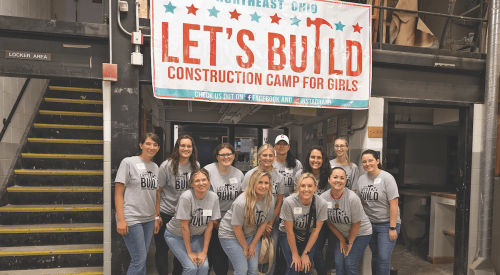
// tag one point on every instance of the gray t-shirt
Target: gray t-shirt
(318, 191)
(227, 186)
(236, 216)
(294, 211)
(198, 212)
(277, 178)
(375, 193)
(350, 211)
(352, 174)
(173, 186)
(288, 175)
(141, 182)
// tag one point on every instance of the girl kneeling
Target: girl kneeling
(188, 232)
(300, 212)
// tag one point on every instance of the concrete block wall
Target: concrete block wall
(477, 149)
(10, 87)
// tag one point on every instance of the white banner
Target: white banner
(278, 52)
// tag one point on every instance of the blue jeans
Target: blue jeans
(241, 265)
(177, 246)
(319, 263)
(137, 241)
(349, 265)
(287, 252)
(381, 247)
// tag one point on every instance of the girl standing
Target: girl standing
(319, 166)
(243, 225)
(285, 163)
(225, 181)
(348, 221)
(173, 180)
(379, 193)
(135, 199)
(301, 212)
(342, 160)
(188, 232)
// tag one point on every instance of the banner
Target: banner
(277, 52)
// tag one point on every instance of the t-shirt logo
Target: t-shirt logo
(301, 221)
(275, 187)
(149, 181)
(228, 192)
(260, 216)
(338, 216)
(197, 218)
(182, 181)
(288, 178)
(369, 193)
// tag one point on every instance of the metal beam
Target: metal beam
(53, 27)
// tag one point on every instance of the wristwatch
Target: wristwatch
(392, 228)
(347, 242)
(306, 252)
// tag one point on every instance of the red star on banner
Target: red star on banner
(357, 28)
(192, 9)
(275, 19)
(234, 14)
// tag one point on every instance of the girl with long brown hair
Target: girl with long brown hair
(173, 179)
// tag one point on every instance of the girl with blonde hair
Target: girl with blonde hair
(243, 225)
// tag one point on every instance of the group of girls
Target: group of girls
(210, 216)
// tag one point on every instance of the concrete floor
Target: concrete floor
(406, 262)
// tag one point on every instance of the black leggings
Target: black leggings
(161, 255)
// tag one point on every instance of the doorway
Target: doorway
(428, 148)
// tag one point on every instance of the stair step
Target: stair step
(66, 148)
(70, 141)
(51, 228)
(67, 113)
(50, 195)
(63, 126)
(75, 89)
(59, 180)
(60, 156)
(55, 189)
(74, 101)
(45, 208)
(54, 256)
(58, 271)
(50, 234)
(51, 214)
(57, 172)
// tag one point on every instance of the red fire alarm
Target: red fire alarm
(109, 72)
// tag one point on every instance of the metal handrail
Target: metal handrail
(6, 121)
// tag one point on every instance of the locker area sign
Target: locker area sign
(277, 52)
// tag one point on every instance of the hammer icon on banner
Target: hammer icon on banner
(318, 22)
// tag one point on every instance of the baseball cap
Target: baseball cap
(281, 137)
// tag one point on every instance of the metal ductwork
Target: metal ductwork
(482, 265)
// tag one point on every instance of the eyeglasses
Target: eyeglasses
(340, 146)
(224, 155)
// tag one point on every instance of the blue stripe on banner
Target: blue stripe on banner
(271, 99)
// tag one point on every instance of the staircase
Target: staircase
(53, 221)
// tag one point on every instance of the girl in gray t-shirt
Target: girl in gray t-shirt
(225, 181)
(348, 221)
(295, 214)
(243, 225)
(285, 163)
(136, 183)
(378, 191)
(188, 233)
(173, 180)
(342, 160)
